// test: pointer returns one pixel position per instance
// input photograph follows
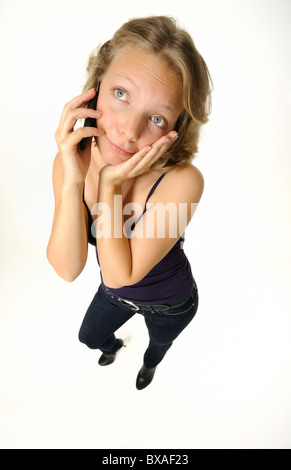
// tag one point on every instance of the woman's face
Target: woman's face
(141, 99)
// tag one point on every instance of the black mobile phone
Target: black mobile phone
(90, 122)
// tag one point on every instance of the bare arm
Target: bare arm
(68, 244)
(126, 261)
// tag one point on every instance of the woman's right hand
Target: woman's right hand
(75, 162)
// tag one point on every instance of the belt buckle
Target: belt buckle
(128, 302)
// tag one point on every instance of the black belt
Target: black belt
(151, 308)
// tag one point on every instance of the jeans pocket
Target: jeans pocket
(190, 305)
(172, 314)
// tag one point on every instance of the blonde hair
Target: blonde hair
(161, 35)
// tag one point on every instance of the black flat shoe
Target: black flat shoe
(106, 360)
(144, 378)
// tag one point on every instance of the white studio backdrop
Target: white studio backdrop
(226, 383)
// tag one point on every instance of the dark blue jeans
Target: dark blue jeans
(106, 314)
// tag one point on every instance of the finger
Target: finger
(77, 102)
(144, 159)
(83, 132)
(67, 127)
(161, 144)
(140, 162)
(75, 115)
(80, 100)
(83, 113)
(158, 150)
(149, 150)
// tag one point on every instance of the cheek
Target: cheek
(108, 119)
(107, 122)
(147, 139)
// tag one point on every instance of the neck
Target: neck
(96, 157)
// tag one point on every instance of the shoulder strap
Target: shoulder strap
(154, 187)
(149, 195)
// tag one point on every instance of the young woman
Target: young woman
(133, 185)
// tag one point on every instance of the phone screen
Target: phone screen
(90, 122)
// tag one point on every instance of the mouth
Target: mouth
(119, 150)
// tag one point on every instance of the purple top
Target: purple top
(171, 280)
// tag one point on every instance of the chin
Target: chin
(113, 159)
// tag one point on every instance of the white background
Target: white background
(226, 382)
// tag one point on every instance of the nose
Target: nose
(130, 127)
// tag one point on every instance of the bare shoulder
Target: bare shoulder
(186, 183)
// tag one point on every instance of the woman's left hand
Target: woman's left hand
(139, 163)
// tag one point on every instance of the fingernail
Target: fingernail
(99, 112)
(174, 137)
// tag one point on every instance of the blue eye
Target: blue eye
(159, 121)
(120, 94)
